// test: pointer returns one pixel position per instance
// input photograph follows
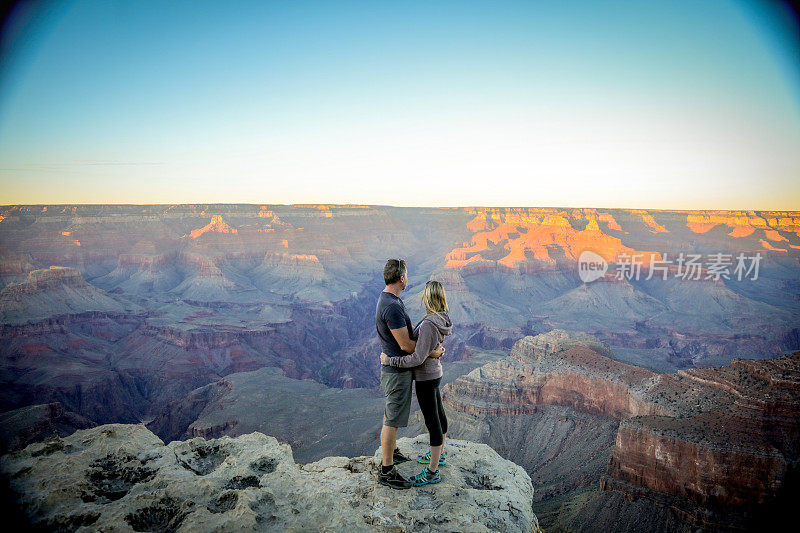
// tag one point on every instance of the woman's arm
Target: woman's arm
(426, 342)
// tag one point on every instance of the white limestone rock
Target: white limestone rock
(121, 477)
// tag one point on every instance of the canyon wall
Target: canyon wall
(557, 369)
(719, 444)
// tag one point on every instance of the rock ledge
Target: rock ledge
(121, 477)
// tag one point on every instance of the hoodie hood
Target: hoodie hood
(442, 322)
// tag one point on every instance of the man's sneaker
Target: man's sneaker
(398, 457)
(394, 479)
(426, 459)
(425, 477)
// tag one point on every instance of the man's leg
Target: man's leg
(388, 443)
(397, 388)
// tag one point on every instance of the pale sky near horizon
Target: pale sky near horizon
(661, 105)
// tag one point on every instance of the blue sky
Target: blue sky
(685, 105)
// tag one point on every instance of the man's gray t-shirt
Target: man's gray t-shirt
(390, 313)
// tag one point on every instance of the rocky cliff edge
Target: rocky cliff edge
(121, 477)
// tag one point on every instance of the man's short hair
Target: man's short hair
(393, 270)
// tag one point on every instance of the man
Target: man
(397, 339)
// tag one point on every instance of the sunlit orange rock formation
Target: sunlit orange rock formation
(746, 223)
(516, 238)
(217, 225)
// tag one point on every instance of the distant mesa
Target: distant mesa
(142, 271)
(55, 274)
(746, 223)
(272, 221)
(298, 274)
(773, 235)
(217, 225)
(329, 207)
(14, 266)
(648, 219)
(54, 291)
(291, 259)
(267, 221)
(204, 281)
(702, 221)
(742, 231)
(283, 266)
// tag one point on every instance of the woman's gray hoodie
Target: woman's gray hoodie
(432, 331)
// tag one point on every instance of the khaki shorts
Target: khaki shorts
(397, 390)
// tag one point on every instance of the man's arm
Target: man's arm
(401, 336)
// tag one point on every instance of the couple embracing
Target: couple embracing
(411, 354)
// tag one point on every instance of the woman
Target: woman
(431, 331)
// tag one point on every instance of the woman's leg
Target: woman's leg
(442, 415)
(426, 397)
(436, 451)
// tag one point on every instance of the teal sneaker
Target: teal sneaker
(425, 477)
(426, 459)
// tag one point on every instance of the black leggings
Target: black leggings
(430, 403)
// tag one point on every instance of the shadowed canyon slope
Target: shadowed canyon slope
(316, 420)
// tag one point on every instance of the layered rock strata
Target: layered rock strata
(559, 369)
(720, 444)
